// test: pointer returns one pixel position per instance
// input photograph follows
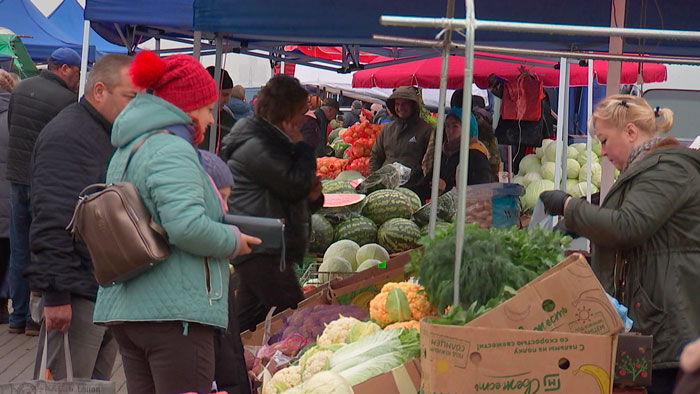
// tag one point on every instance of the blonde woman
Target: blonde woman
(646, 233)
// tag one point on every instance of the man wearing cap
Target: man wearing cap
(225, 120)
(353, 116)
(34, 102)
(72, 152)
(315, 125)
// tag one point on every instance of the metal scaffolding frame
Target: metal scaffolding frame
(471, 24)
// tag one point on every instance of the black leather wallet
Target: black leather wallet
(269, 230)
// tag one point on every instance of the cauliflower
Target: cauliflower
(327, 382)
(283, 380)
(417, 302)
(405, 324)
(337, 331)
(318, 361)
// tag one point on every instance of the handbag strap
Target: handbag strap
(66, 354)
(136, 147)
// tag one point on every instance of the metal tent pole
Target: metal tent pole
(525, 27)
(561, 120)
(439, 130)
(540, 52)
(84, 58)
(589, 139)
(197, 49)
(214, 128)
(464, 144)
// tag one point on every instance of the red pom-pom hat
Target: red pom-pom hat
(178, 79)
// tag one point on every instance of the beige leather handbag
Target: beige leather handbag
(118, 230)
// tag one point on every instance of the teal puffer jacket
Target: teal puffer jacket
(191, 285)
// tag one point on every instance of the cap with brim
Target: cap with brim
(65, 56)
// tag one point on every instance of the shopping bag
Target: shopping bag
(522, 97)
(68, 386)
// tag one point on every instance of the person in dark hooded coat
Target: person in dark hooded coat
(405, 139)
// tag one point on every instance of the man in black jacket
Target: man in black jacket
(316, 123)
(72, 152)
(34, 102)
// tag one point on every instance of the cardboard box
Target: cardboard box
(405, 379)
(633, 360)
(463, 360)
(567, 298)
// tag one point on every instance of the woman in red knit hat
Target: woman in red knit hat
(165, 319)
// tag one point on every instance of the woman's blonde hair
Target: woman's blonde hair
(621, 109)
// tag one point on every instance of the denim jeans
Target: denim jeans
(20, 220)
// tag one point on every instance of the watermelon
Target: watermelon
(359, 229)
(334, 186)
(445, 211)
(367, 264)
(412, 196)
(349, 175)
(335, 264)
(339, 200)
(398, 235)
(339, 148)
(344, 248)
(371, 251)
(386, 204)
(321, 234)
(438, 226)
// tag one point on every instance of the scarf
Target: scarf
(452, 147)
(638, 153)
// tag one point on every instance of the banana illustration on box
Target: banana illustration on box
(601, 376)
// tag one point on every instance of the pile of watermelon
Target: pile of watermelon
(383, 216)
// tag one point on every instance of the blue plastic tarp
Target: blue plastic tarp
(39, 36)
(69, 18)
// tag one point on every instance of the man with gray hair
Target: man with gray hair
(72, 152)
(353, 116)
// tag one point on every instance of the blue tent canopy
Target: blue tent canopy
(69, 18)
(331, 23)
(170, 17)
(39, 36)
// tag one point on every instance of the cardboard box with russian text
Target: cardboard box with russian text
(566, 298)
(466, 360)
(405, 379)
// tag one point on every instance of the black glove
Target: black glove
(554, 201)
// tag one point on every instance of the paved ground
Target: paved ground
(17, 354)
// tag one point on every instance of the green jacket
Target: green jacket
(646, 246)
(403, 140)
(191, 285)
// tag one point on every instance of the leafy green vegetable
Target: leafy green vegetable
(376, 353)
(493, 259)
(361, 330)
(458, 316)
(397, 305)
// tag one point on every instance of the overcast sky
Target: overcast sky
(47, 6)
